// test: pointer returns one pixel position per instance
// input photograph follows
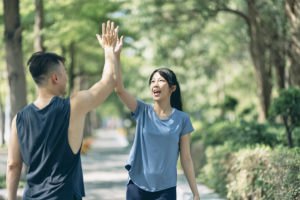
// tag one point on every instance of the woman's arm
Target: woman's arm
(187, 164)
(123, 94)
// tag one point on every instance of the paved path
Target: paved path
(105, 176)
(103, 167)
(104, 173)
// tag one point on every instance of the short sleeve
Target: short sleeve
(139, 109)
(187, 126)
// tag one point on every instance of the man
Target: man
(47, 134)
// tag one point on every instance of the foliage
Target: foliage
(252, 172)
(261, 173)
(3, 182)
(230, 103)
(287, 106)
(240, 133)
(214, 173)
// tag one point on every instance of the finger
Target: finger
(108, 27)
(99, 38)
(117, 32)
(103, 28)
(112, 28)
(122, 39)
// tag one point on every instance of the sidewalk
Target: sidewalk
(103, 167)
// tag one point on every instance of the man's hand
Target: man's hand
(109, 35)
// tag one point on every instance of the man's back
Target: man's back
(54, 171)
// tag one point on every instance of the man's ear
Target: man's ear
(54, 78)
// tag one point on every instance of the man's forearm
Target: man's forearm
(110, 68)
(12, 181)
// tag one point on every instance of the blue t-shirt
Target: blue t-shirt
(153, 157)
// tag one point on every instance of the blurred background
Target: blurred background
(237, 62)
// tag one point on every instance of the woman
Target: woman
(162, 132)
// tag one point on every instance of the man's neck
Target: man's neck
(44, 98)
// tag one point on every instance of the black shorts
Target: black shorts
(136, 193)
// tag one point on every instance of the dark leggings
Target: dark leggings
(135, 193)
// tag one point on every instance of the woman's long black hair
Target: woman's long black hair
(170, 77)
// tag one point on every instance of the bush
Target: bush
(239, 133)
(214, 173)
(246, 176)
(253, 172)
(261, 173)
(287, 106)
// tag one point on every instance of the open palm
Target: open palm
(109, 35)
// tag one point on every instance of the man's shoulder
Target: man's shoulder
(26, 108)
(63, 99)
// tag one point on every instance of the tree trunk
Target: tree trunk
(14, 55)
(1, 123)
(38, 26)
(258, 51)
(293, 13)
(279, 63)
(278, 58)
(288, 132)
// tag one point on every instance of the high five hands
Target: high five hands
(110, 38)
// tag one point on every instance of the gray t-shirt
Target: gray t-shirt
(153, 158)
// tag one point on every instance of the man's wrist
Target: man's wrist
(109, 51)
(108, 48)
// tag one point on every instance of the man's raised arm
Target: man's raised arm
(86, 100)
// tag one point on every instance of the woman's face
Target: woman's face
(160, 88)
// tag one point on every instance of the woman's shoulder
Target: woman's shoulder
(142, 103)
(182, 113)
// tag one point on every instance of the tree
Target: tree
(38, 26)
(287, 106)
(14, 55)
(293, 13)
(1, 123)
(263, 22)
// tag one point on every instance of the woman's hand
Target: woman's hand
(119, 44)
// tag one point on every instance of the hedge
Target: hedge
(253, 172)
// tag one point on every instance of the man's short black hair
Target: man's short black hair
(41, 64)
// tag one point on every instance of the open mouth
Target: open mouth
(156, 92)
